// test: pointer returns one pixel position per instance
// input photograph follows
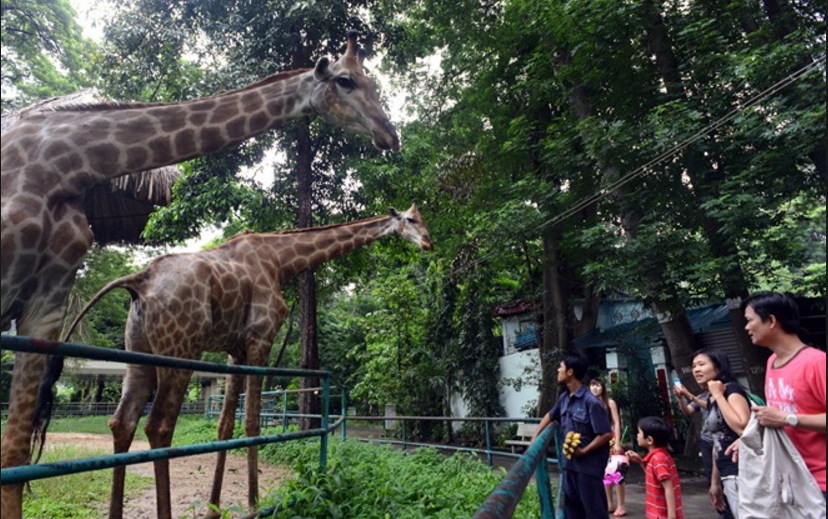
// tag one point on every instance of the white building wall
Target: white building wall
(526, 366)
(512, 366)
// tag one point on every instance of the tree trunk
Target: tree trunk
(680, 340)
(555, 329)
(308, 402)
(705, 178)
(100, 380)
(781, 16)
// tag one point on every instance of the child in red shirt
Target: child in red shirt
(663, 486)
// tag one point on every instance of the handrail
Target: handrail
(25, 473)
(502, 502)
(47, 347)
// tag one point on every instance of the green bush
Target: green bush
(378, 482)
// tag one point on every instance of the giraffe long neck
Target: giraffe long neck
(109, 141)
(307, 249)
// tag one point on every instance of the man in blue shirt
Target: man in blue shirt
(578, 410)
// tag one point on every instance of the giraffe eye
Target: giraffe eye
(345, 82)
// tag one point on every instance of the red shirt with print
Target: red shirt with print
(658, 467)
(798, 387)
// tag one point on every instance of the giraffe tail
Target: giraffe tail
(46, 393)
(122, 282)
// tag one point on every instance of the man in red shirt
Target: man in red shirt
(795, 386)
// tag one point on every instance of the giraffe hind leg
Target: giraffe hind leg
(137, 389)
(160, 427)
(225, 431)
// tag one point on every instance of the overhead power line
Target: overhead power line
(646, 168)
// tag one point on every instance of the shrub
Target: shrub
(378, 482)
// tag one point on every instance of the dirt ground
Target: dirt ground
(191, 477)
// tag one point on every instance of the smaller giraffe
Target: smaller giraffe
(224, 299)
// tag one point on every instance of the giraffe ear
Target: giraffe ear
(393, 212)
(361, 55)
(322, 70)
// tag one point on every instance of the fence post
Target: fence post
(344, 415)
(544, 490)
(326, 408)
(404, 436)
(489, 444)
(284, 412)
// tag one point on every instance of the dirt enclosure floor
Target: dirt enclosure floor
(191, 477)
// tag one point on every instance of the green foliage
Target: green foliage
(103, 325)
(478, 350)
(76, 496)
(44, 51)
(637, 394)
(378, 482)
(6, 367)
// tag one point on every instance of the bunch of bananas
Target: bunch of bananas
(571, 442)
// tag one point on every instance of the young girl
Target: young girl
(728, 412)
(599, 389)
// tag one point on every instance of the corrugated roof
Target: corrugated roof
(646, 331)
(516, 308)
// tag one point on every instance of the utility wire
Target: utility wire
(645, 168)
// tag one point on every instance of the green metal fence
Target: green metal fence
(503, 499)
(500, 504)
(22, 474)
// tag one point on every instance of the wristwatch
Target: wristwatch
(792, 420)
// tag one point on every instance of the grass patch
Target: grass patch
(187, 426)
(77, 496)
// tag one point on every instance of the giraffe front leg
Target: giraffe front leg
(252, 428)
(160, 427)
(29, 369)
(225, 431)
(137, 389)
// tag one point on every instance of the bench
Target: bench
(523, 436)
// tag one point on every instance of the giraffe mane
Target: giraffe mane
(332, 226)
(122, 105)
(248, 232)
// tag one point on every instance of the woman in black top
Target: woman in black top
(728, 415)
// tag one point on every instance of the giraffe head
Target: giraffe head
(410, 226)
(344, 96)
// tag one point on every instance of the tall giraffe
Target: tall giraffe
(51, 158)
(224, 299)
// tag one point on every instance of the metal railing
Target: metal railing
(500, 504)
(22, 474)
(503, 500)
(77, 409)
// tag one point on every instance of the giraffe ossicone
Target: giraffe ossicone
(228, 299)
(50, 158)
